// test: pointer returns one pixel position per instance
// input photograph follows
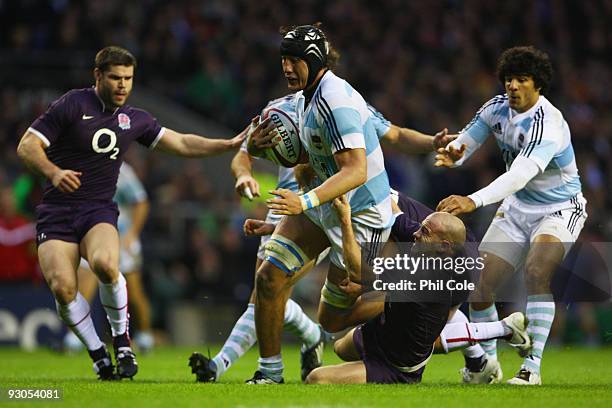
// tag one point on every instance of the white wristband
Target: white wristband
(309, 200)
(476, 199)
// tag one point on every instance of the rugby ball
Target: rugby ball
(288, 150)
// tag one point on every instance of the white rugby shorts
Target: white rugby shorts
(516, 224)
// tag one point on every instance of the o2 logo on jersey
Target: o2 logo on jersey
(95, 143)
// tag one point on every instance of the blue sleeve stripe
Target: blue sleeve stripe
(565, 157)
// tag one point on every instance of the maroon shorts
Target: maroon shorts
(70, 222)
(378, 368)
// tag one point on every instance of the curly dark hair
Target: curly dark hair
(526, 60)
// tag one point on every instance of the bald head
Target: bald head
(447, 227)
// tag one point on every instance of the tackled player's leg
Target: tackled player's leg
(351, 372)
(338, 310)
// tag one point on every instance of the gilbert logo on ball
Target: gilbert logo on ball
(288, 150)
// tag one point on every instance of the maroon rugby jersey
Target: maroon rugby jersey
(83, 135)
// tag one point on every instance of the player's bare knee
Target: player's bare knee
(268, 285)
(537, 278)
(315, 377)
(104, 266)
(63, 292)
(340, 350)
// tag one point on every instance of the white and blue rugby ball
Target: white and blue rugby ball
(287, 152)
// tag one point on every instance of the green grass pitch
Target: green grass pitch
(572, 377)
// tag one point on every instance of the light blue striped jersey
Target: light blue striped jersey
(287, 104)
(129, 192)
(338, 118)
(541, 134)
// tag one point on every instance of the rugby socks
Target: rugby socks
(471, 352)
(301, 325)
(459, 335)
(240, 340)
(114, 298)
(77, 317)
(243, 335)
(482, 316)
(272, 367)
(541, 313)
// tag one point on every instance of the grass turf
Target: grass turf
(572, 377)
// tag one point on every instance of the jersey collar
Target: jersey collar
(102, 104)
(516, 117)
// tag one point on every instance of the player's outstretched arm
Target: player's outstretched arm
(411, 141)
(31, 151)
(242, 170)
(516, 178)
(189, 145)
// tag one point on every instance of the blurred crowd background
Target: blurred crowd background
(424, 64)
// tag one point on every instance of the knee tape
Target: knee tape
(333, 296)
(285, 254)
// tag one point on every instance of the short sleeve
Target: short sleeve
(152, 131)
(50, 125)
(479, 127)
(381, 124)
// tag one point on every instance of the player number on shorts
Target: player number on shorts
(95, 143)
